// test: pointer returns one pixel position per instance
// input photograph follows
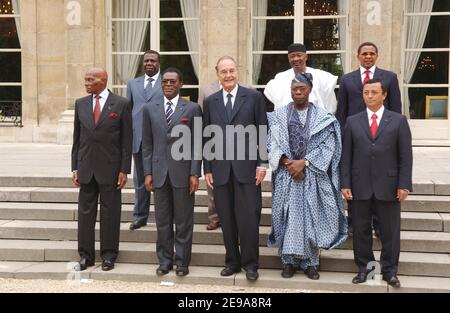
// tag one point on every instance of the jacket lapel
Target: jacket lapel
(364, 121)
(220, 106)
(385, 120)
(181, 107)
(357, 79)
(106, 109)
(240, 100)
(88, 111)
(162, 113)
(140, 85)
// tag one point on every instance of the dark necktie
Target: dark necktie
(149, 88)
(169, 112)
(367, 77)
(374, 126)
(97, 111)
(229, 106)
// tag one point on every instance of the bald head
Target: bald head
(95, 80)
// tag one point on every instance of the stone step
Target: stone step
(68, 212)
(420, 188)
(411, 241)
(411, 264)
(437, 204)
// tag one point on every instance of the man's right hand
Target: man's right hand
(209, 180)
(347, 194)
(149, 183)
(75, 179)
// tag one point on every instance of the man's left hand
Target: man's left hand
(402, 194)
(260, 175)
(122, 180)
(193, 184)
(296, 169)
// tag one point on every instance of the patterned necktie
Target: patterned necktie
(97, 111)
(169, 112)
(229, 106)
(149, 88)
(374, 126)
(367, 77)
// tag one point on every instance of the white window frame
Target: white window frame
(299, 22)
(154, 21)
(405, 87)
(11, 50)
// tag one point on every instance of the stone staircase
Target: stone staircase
(38, 233)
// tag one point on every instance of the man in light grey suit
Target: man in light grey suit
(140, 91)
(213, 216)
(174, 180)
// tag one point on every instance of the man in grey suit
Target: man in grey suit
(376, 173)
(140, 91)
(101, 160)
(213, 217)
(174, 180)
(237, 176)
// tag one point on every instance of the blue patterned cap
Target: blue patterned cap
(305, 78)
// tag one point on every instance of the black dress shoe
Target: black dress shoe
(228, 271)
(288, 271)
(360, 278)
(136, 225)
(107, 265)
(312, 273)
(252, 275)
(392, 281)
(163, 270)
(83, 264)
(182, 270)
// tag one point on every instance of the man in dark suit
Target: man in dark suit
(101, 160)
(174, 179)
(236, 177)
(350, 96)
(140, 91)
(376, 173)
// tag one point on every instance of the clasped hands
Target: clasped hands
(296, 168)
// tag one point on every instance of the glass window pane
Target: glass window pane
(173, 35)
(184, 64)
(121, 35)
(131, 8)
(438, 6)
(328, 62)
(322, 34)
(418, 102)
(9, 94)
(324, 7)
(431, 68)
(11, 67)
(177, 8)
(271, 65)
(190, 94)
(273, 8)
(8, 34)
(279, 34)
(6, 7)
(438, 31)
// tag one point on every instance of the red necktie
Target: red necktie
(97, 111)
(367, 78)
(374, 126)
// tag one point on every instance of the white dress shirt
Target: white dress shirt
(155, 78)
(233, 98)
(379, 115)
(363, 72)
(103, 97)
(174, 103)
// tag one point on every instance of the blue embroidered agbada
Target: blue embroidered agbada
(307, 215)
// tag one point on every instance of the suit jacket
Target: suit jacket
(376, 167)
(157, 143)
(104, 150)
(249, 109)
(136, 94)
(350, 96)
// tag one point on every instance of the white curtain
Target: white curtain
(190, 8)
(342, 10)
(416, 32)
(130, 37)
(260, 8)
(16, 8)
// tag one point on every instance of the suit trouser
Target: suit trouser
(213, 216)
(141, 195)
(349, 216)
(174, 206)
(110, 207)
(389, 224)
(239, 208)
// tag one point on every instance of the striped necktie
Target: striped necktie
(169, 112)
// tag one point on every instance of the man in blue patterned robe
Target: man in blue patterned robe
(307, 208)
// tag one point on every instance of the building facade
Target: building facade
(47, 45)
